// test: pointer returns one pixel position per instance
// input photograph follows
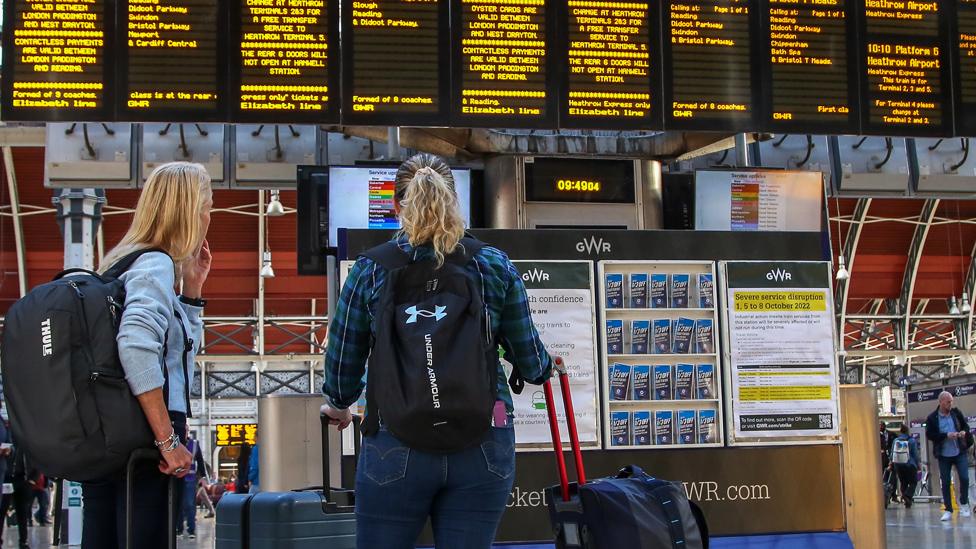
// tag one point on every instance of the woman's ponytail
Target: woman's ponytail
(429, 210)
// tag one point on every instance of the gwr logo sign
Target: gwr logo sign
(535, 275)
(593, 245)
(779, 275)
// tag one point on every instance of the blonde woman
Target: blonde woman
(156, 343)
(398, 487)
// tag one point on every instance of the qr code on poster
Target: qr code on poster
(826, 421)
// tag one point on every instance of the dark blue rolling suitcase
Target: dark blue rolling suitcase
(632, 509)
(312, 518)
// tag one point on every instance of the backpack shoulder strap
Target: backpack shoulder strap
(469, 248)
(123, 265)
(388, 255)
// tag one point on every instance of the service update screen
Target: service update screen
(708, 64)
(173, 51)
(55, 60)
(502, 67)
(611, 57)
(286, 58)
(809, 76)
(905, 84)
(393, 59)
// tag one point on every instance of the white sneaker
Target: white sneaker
(946, 516)
(964, 512)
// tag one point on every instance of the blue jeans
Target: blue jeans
(188, 507)
(464, 493)
(945, 475)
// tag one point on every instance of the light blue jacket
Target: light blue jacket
(149, 321)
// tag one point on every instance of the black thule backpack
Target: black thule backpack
(432, 377)
(70, 406)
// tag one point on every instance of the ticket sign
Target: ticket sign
(237, 434)
(708, 64)
(173, 63)
(395, 59)
(964, 35)
(905, 75)
(612, 75)
(57, 60)
(810, 81)
(286, 61)
(502, 63)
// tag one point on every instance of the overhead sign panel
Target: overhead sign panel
(395, 58)
(708, 64)
(502, 70)
(57, 60)
(905, 75)
(612, 70)
(286, 61)
(810, 77)
(174, 63)
(964, 50)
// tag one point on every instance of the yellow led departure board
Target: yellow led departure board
(965, 83)
(609, 75)
(286, 60)
(55, 59)
(394, 55)
(173, 67)
(708, 60)
(502, 74)
(905, 68)
(809, 75)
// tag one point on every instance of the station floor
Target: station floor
(916, 528)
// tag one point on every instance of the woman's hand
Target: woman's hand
(176, 462)
(195, 272)
(342, 418)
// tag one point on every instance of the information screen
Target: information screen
(612, 69)
(579, 180)
(964, 32)
(174, 64)
(57, 60)
(810, 81)
(287, 68)
(905, 78)
(395, 59)
(362, 198)
(708, 64)
(501, 63)
(758, 201)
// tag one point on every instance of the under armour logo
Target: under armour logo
(437, 314)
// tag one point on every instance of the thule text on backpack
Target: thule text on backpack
(431, 374)
(47, 340)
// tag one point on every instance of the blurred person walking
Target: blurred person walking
(946, 427)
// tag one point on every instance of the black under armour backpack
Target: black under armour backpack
(432, 377)
(70, 406)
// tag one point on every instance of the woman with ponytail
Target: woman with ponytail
(399, 487)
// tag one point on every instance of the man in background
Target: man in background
(946, 427)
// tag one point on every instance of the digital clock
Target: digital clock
(578, 185)
(580, 180)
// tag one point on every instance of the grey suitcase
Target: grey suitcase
(314, 517)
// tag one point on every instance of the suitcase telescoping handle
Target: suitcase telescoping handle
(557, 444)
(326, 469)
(140, 455)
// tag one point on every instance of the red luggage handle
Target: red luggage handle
(557, 445)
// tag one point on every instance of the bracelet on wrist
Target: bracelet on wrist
(169, 443)
(193, 301)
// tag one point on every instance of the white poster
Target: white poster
(560, 296)
(781, 350)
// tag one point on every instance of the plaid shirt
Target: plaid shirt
(504, 292)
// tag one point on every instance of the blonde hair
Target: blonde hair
(168, 215)
(429, 209)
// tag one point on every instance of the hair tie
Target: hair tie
(425, 171)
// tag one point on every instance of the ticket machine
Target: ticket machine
(524, 192)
